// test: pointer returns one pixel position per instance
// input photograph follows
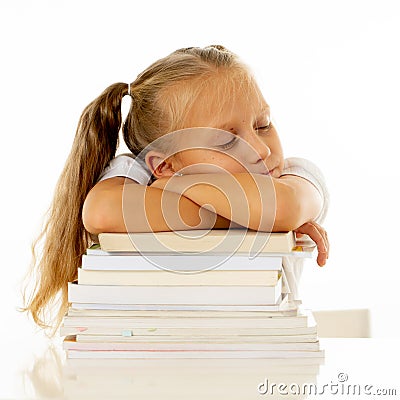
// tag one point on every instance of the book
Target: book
(118, 332)
(178, 262)
(243, 336)
(201, 327)
(168, 278)
(102, 331)
(281, 304)
(197, 241)
(221, 295)
(290, 310)
(303, 319)
(70, 343)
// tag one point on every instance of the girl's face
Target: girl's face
(244, 141)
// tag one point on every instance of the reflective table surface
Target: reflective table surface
(36, 368)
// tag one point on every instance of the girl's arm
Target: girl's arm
(149, 208)
(174, 203)
(298, 203)
(256, 201)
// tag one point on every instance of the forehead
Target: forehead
(226, 98)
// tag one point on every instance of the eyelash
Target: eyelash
(264, 128)
(227, 146)
(231, 143)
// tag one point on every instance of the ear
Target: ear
(159, 165)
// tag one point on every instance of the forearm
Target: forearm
(252, 200)
(132, 207)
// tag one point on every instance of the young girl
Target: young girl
(207, 156)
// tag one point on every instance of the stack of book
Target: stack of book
(192, 294)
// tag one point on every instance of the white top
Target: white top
(126, 165)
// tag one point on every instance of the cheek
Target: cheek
(214, 158)
(228, 163)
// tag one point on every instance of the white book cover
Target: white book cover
(199, 295)
(168, 278)
(282, 304)
(198, 241)
(289, 310)
(180, 262)
(130, 325)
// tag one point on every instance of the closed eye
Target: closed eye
(228, 145)
(264, 128)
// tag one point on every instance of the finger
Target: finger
(317, 234)
(323, 254)
(327, 244)
(324, 235)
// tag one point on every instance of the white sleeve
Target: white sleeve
(308, 170)
(293, 267)
(126, 165)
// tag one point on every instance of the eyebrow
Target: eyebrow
(261, 114)
(265, 110)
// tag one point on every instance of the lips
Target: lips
(269, 172)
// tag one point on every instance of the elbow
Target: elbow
(93, 217)
(287, 217)
(288, 209)
(99, 214)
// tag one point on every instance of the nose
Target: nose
(260, 150)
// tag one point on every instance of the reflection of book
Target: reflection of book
(217, 241)
(167, 278)
(236, 354)
(184, 378)
(196, 344)
(221, 295)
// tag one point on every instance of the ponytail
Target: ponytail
(64, 238)
(155, 110)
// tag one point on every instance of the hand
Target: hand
(317, 234)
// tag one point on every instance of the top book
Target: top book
(199, 241)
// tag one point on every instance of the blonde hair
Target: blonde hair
(161, 95)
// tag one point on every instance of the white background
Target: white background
(329, 70)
